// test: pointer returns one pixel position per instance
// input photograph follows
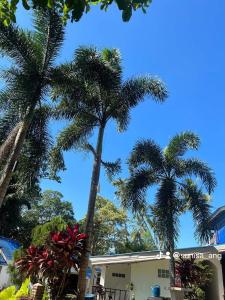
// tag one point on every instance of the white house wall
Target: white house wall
(144, 275)
(4, 277)
(117, 282)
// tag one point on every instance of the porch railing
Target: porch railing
(103, 293)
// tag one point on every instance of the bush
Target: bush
(10, 293)
(51, 263)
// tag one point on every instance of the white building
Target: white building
(116, 273)
(7, 248)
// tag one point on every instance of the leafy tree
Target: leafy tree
(49, 205)
(108, 224)
(19, 198)
(137, 240)
(40, 233)
(25, 112)
(92, 94)
(113, 231)
(48, 213)
(176, 193)
(16, 277)
(69, 9)
(21, 215)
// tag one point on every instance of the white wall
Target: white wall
(144, 275)
(4, 277)
(117, 282)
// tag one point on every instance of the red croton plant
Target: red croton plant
(51, 263)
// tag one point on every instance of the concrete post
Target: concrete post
(37, 291)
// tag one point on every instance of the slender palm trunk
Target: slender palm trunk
(172, 268)
(5, 148)
(90, 213)
(14, 155)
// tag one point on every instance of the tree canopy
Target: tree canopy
(24, 110)
(22, 214)
(114, 231)
(176, 192)
(68, 9)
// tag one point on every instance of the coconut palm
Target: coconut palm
(92, 94)
(176, 193)
(31, 55)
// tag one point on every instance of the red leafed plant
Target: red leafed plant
(51, 263)
(195, 275)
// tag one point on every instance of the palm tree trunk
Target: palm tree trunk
(172, 269)
(13, 157)
(90, 213)
(5, 148)
(172, 266)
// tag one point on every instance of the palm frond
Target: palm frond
(22, 83)
(166, 214)
(146, 152)
(56, 163)
(198, 203)
(35, 152)
(94, 66)
(135, 188)
(18, 45)
(112, 168)
(200, 169)
(49, 34)
(180, 143)
(134, 90)
(75, 135)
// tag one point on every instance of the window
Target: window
(162, 273)
(118, 275)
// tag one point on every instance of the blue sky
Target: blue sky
(183, 42)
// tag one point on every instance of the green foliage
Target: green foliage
(72, 10)
(24, 289)
(114, 232)
(176, 191)
(21, 214)
(31, 56)
(10, 293)
(195, 275)
(48, 206)
(19, 198)
(93, 92)
(16, 277)
(51, 263)
(41, 233)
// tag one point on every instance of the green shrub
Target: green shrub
(10, 293)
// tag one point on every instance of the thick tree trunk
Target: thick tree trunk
(13, 157)
(90, 214)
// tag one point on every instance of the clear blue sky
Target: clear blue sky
(183, 42)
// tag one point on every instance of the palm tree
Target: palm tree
(32, 55)
(149, 165)
(92, 94)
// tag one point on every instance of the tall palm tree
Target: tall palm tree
(92, 94)
(31, 55)
(149, 165)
